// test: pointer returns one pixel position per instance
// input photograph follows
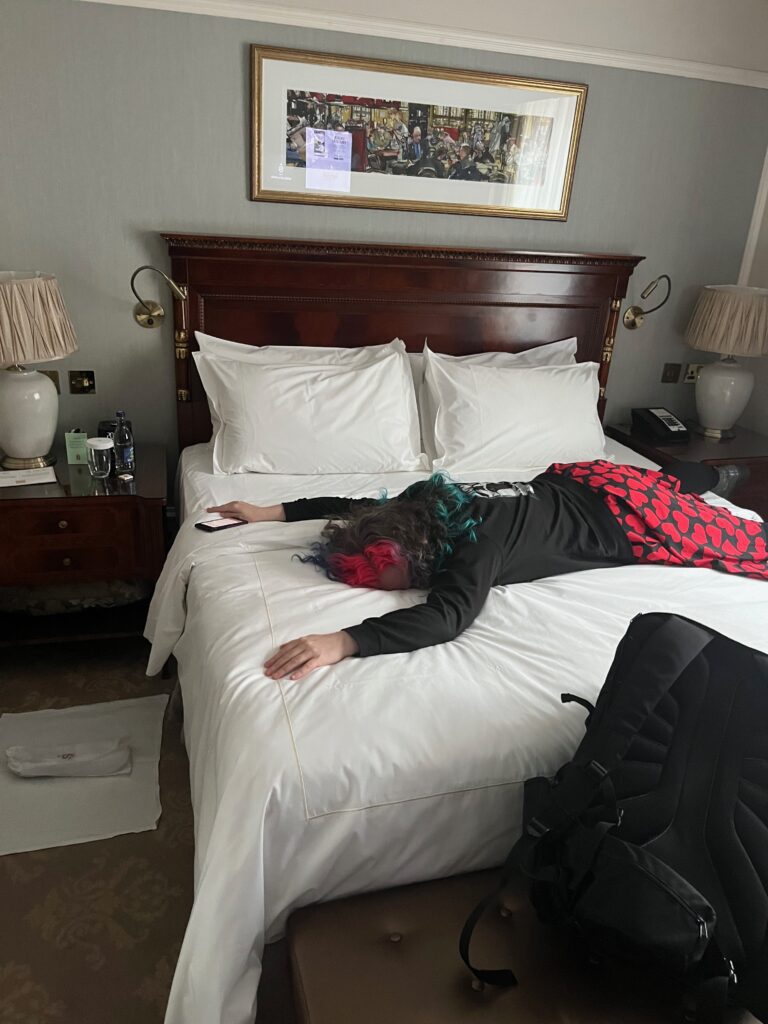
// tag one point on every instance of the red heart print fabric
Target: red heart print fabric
(666, 526)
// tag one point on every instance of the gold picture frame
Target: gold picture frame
(508, 150)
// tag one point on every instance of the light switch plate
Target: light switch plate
(692, 371)
(671, 373)
(82, 382)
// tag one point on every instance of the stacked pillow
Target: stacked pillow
(297, 409)
(520, 410)
(291, 409)
(558, 353)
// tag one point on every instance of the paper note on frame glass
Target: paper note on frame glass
(355, 132)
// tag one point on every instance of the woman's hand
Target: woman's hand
(298, 657)
(251, 513)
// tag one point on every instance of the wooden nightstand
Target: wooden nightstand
(82, 530)
(746, 448)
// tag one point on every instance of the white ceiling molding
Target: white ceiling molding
(278, 14)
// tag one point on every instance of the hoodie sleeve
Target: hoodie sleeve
(322, 508)
(457, 596)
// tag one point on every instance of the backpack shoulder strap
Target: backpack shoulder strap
(503, 978)
(642, 672)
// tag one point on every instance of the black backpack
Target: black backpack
(653, 841)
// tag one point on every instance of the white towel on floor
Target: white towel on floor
(108, 757)
(36, 813)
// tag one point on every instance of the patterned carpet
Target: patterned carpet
(91, 933)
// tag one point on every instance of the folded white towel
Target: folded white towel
(108, 757)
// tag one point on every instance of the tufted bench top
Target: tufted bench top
(391, 957)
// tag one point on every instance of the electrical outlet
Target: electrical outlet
(671, 373)
(692, 371)
(54, 375)
(82, 382)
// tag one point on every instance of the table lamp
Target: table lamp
(34, 328)
(731, 320)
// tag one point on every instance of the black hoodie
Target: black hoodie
(553, 526)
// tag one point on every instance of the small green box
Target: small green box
(77, 453)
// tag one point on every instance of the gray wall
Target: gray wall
(117, 123)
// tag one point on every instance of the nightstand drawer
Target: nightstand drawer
(67, 534)
(42, 522)
(79, 544)
(107, 560)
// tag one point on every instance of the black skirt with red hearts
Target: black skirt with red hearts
(666, 526)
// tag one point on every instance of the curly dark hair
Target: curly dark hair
(424, 522)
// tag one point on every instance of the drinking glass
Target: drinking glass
(99, 456)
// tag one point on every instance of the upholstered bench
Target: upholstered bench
(391, 957)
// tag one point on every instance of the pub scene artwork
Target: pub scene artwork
(392, 137)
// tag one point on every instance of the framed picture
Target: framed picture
(353, 132)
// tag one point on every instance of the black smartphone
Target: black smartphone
(213, 525)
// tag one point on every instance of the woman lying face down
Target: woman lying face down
(399, 543)
(448, 539)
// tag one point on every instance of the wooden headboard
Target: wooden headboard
(261, 291)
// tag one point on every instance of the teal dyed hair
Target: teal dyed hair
(450, 506)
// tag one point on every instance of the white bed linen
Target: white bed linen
(378, 771)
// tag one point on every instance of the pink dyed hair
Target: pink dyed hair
(365, 570)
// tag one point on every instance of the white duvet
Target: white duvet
(377, 771)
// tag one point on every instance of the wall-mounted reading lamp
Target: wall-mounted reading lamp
(148, 313)
(634, 316)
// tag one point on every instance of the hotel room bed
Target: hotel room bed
(371, 772)
(385, 770)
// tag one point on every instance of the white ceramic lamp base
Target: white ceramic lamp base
(29, 411)
(722, 392)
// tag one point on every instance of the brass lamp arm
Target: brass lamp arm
(635, 315)
(652, 287)
(152, 314)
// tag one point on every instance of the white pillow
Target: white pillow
(490, 417)
(556, 353)
(307, 418)
(319, 354)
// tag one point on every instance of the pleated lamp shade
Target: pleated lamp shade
(731, 320)
(34, 323)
